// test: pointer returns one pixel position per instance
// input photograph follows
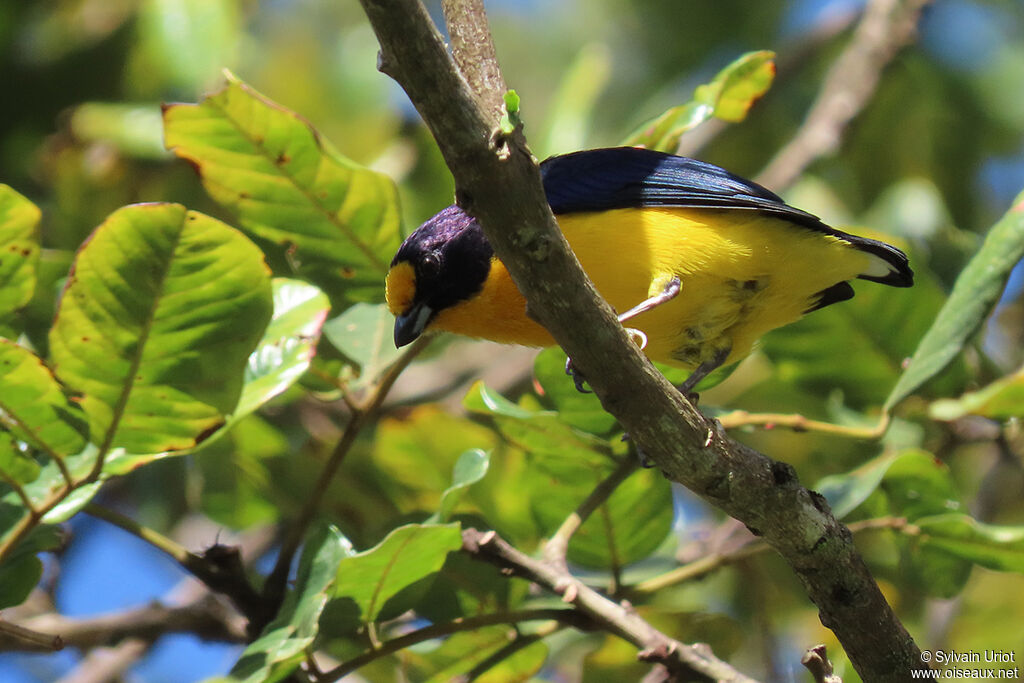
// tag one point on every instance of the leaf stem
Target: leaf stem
(799, 423)
(709, 563)
(273, 591)
(558, 545)
(19, 490)
(178, 552)
(519, 643)
(557, 614)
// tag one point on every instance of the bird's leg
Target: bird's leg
(703, 370)
(669, 292)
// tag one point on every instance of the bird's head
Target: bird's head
(444, 262)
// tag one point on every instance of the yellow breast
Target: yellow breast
(741, 273)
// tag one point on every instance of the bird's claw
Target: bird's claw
(577, 378)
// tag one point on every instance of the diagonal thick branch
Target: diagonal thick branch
(498, 182)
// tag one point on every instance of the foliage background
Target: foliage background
(936, 157)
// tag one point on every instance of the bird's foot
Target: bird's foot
(577, 378)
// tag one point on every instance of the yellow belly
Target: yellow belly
(741, 275)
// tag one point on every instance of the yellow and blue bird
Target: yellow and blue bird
(701, 262)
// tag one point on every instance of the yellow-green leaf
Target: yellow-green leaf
(19, 250)
(1000, 400)
(975, 292)
(338, 220)
(728, 96)
(34, 407)
(162, 309)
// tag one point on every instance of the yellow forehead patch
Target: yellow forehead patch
(400, 287)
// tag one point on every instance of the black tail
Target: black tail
(889, 265)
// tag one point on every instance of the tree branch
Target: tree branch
(498, 182)
(616, 618)
(886, 27)
(816, 661)
(108, 663)
(207, 617)
(473, 51)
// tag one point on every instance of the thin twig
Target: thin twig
(705, 565)
(29, 520)
(613, 617)
(558, 545)
(886, 27)
(106, 664)
(274, 589)
(799, 423)
(816, 661)
(19, 490)
(434, 631)
(519, 642)
(178, 552)
(21, 638)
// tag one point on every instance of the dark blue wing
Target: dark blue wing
(631, 177)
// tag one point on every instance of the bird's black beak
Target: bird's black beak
(410, 325)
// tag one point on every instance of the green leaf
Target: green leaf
(21, 571)
(17, 579)
(627, 528)
(34, 407)
(406, 555)
(282, 645)
(415, 454)
(288, 344)
(469, 469)
(995, 547)
(466, 587)
(1000, 400)
(738, 86)
(16, 466)
(237, 483)
(975, 292)
(364, 334)
(844, 492)
(161, 311)
(458, 654)
(338, 220)
(42, 488)
(541, 433)
(19, 250)
(917, 485)
(582, 411)
(728, 96)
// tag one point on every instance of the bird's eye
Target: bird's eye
(430, 265)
